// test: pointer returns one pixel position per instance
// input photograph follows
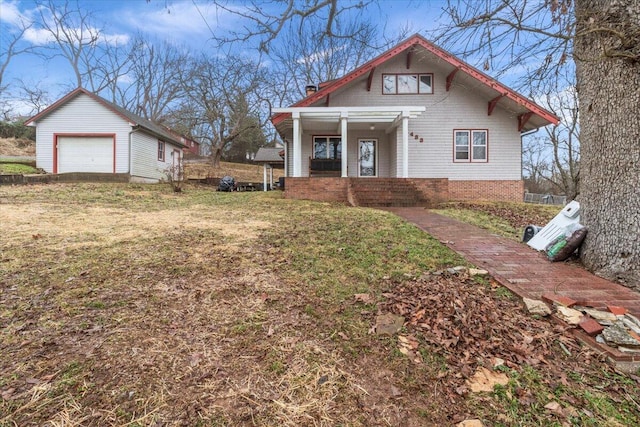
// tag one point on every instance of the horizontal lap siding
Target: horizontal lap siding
(144, 157)
(82, 115)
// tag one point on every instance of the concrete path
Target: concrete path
(520, 268)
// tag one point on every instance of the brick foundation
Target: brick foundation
(427, 191)
(320, 189)
(503, 191)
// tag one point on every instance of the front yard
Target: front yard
(131, 305)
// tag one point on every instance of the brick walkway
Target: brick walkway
(520, 268)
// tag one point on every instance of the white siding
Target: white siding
(82, 115)
(144, 157)
(460, 108)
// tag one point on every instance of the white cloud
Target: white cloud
(40, 36)
(182, 21)
(10, 14)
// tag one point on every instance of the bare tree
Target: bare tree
(603, 38)
(224, 100)
(156, 74)
(10, 46)
(554, 157)
(533, 39)
(266, 19)
(74, 35)
(303, 58)
(36, 97)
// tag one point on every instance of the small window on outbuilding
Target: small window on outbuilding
(161, 151)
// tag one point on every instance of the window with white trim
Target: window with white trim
(403, 84)
(327, 147)
(161, 151)
(470, 145)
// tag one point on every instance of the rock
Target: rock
(485, 380)
(569, 315)
(631, 322)
(599, 315)
(497, 362)
(470, 423)
(477, 272)
(617, 335)
(388, 324)
(537, 307)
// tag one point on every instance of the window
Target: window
(393, 84)
(327, 147)
(161, 151)
(470, 146)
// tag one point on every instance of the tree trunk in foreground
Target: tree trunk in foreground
(608, 75)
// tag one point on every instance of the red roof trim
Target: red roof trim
(440, 53)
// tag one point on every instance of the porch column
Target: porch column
(343, 136)
(297, 145)
(271, 177)
(264, 175)
(405, 144)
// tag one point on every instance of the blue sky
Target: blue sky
(188, 23)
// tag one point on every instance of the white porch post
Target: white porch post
(264, 176)
(405, 144)
(271, 177)
(343, 135)
(297, 145)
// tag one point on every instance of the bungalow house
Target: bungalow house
(85, 133)
(416, 125)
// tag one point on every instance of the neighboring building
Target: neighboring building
(191, 146)
(83, 132)
(271, 158)
(416, 125)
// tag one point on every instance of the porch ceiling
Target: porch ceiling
(328, 118)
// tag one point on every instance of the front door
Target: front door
(368, 157)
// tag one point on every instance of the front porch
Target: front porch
(329, 141)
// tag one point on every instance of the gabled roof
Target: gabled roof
(496, 91)
(135, 120)
(269, 155)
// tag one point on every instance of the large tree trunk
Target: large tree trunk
(608, 76)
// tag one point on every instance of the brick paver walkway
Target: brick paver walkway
(518, 267)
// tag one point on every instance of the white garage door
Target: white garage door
(85, 154)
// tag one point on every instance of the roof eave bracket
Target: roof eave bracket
(523, 119)
(450, 78)
(493, 103)
(370, 79)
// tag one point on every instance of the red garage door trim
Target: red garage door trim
(84, 135)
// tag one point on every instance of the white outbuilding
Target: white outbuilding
(85, 133)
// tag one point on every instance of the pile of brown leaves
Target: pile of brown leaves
(471, 325)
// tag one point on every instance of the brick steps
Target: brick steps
(382, 192)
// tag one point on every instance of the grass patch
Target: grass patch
(16, 168)
(130, 304)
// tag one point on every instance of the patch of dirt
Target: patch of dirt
(17, 147)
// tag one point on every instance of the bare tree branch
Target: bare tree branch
(266, 19)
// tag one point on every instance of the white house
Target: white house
(414, 125)
(83, 132)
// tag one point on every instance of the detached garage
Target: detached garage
(85, 133)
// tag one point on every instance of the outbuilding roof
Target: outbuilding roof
(134, 119)
(269, 155)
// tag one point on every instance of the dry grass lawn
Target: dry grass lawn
(129, 305)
